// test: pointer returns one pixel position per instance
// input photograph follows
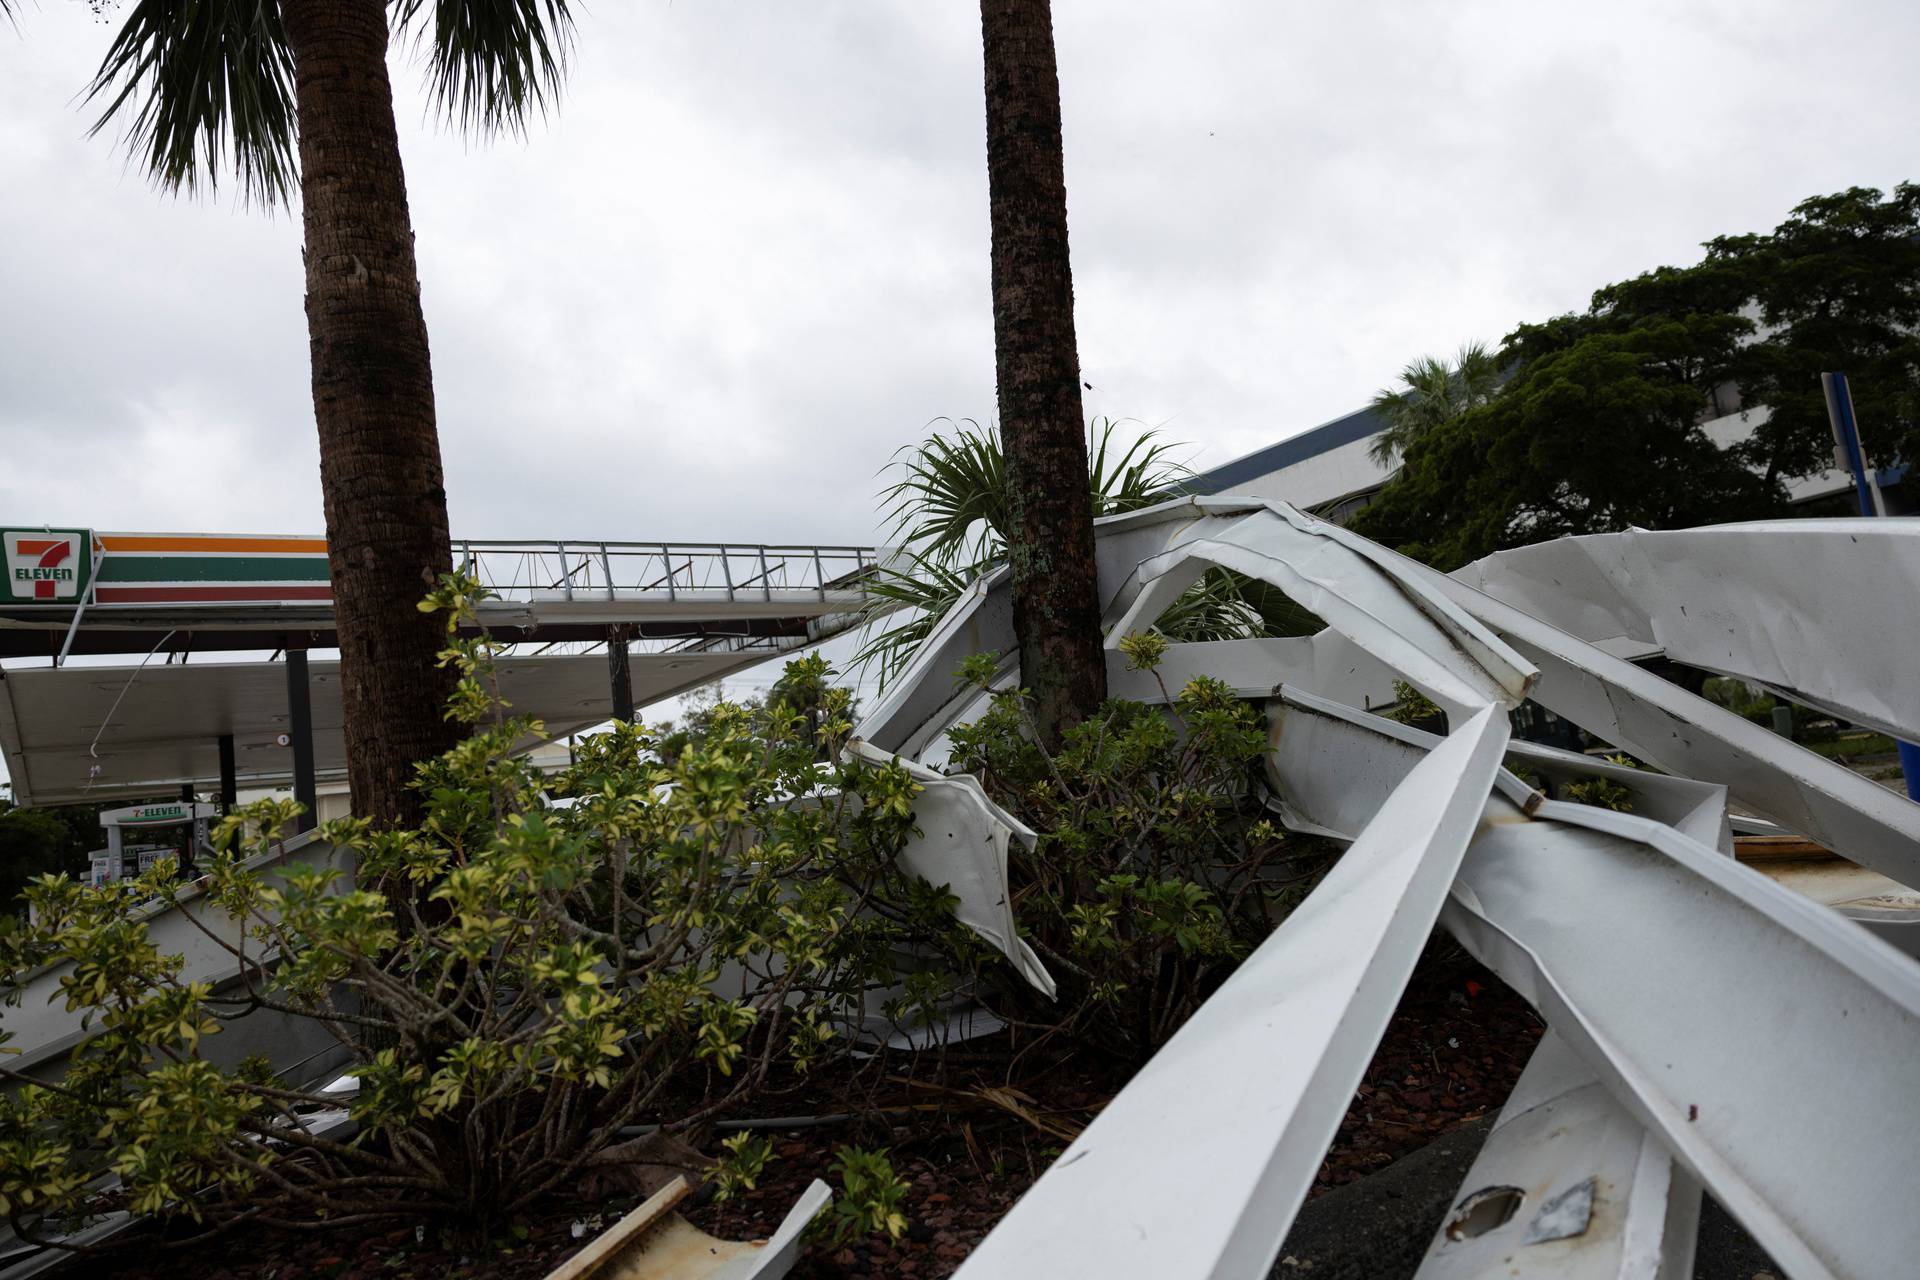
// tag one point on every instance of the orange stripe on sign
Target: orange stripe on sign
(212, 542)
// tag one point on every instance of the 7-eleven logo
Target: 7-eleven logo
(47, 566)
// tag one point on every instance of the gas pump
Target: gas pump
(129, 852)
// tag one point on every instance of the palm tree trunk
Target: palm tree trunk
(380, 472)
(1056, 605)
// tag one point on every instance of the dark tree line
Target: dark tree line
(1600, 422)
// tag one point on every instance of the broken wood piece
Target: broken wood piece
(655, 1243)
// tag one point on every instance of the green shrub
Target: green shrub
(1412, 707)
(870, 1199)
(1603, 792)
(1155, 871)
(647, 936)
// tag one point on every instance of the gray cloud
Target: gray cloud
(746, 259)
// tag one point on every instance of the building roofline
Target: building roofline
(1311, 443)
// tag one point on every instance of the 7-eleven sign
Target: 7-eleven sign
(46, 566)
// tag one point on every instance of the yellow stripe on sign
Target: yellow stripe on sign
(272, 543)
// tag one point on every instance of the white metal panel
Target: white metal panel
(962, 844)
(1393, 615)
(1704, 995)
(1826, 611)
(1593, 1195)
(1664, 724)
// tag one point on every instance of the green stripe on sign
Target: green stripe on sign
(130, 568)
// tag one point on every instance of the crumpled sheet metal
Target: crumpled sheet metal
(1825, 612)
(1339, 763)
(1664, 724)
(1394, 615)
(1707, 998)
(1197, 1167)
(1394, 621)
(963, 845)
(1702, 994)
(1599, 1198)
(981, 621)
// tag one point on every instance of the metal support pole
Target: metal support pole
(1846, 439)
(187, 829)
(300, 730)
(619, 672)
(1850, 454)
(229, 785)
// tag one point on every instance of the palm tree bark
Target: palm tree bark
(380, 475)
(1056, 606)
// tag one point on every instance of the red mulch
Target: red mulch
(1452, 1052)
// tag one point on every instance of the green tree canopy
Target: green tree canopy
(1600, 424)
(38, 842)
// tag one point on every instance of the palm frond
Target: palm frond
(948, 512)
(1211, 609)
(201, 86)
(950, 502)
(916, 595)
(493, 63)
(1141, 475)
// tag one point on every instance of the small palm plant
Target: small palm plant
(948, 511)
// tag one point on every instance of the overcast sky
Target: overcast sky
(747, 258)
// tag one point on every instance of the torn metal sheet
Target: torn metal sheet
(1820, 1177)
(1394, 615)
(1823, 611)
(1697, 809)
(1689, 736)
(981, 621)
(1325, 664)
(1197, 1167)
(1594, 1196)
(1330, 762)
(963, 845)
(1629, 937)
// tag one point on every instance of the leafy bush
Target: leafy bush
(870, 1198)
(1155, 872)
(1602, 792)
(1412, 707)
(648, 936)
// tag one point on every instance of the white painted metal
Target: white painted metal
(1599, 1198)
(1392, 614)
(42, 1029)
(1825, 611)
(1664, 724)
(981, 621)
(1197, 1167)
(1704, 995)
(963, 845)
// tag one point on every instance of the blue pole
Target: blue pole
(1846, 435)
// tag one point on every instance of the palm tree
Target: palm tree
(1056, 606)
(950, 513)
(286, 92)
(1433, 392)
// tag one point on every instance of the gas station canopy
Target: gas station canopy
(671, 617)
(82, 734)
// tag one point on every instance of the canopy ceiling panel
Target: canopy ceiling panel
(76, 734)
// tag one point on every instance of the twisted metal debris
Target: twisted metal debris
(1690, 998)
